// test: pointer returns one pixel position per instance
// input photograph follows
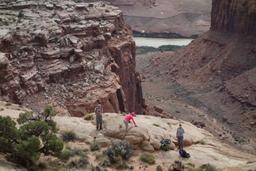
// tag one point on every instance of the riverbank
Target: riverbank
(146, 45)
(162, 35)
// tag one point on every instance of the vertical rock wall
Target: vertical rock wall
(235, 16)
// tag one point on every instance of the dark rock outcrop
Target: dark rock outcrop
(236, 16)
(67, 54)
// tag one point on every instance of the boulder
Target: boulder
(146, 146)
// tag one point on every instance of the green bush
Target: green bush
(36, 134)
(119, 153)
(69, 136)
(148, 158)
(94, 146)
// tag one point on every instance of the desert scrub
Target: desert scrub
(165, 145)
(78, 163)
(148, 158)
(69, 136)
(205, 167)
(68, 153)
(156, 125)
(35, 134)
(94, 146)
(88, 117)
(119, 153)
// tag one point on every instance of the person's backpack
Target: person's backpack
(184, 154)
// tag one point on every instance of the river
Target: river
(157, 42)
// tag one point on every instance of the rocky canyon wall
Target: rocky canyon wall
(236, 16)
(69, 55)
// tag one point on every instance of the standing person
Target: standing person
(98, 112)
(128, 118)
(180, 137)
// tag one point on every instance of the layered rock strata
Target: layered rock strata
(67, 54)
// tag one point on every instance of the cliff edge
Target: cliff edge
(68, 54)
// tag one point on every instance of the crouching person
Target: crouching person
(128, 118)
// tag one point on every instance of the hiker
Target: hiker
(98, 112)
(180, 137)
(128, 118)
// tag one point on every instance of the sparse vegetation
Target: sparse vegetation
(78, 163)
(36, 134)
(156, 125)
(205, 167)
(94, 146)
(147, 49)
(8, 104)
(69, 136)
(88, 117)
(165, 145)
(148, 158)
(119, 153)
(67, 153)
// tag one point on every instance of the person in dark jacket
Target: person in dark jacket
(180, 136)
(98, 112)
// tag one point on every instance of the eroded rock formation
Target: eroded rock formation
(69, 55)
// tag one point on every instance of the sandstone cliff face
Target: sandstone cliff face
(236, 16)
(69, 55)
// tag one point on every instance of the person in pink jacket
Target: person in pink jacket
(128, 118)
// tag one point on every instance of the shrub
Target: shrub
(78, 163)
(119, 153)
(69, 136)
(65, 154)
(88, 117)
(94, 146)
(156, 125)
(36, 134)
(205, 167)
(165, 145)
(68, 153)
(147, 158)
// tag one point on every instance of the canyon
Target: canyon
(214, 74)
(166, 18)
(69, 55)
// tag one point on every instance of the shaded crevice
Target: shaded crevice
(120, 100)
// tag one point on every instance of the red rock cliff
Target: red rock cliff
(69, 55)
(235, 16)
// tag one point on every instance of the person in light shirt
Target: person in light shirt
(180, 136)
